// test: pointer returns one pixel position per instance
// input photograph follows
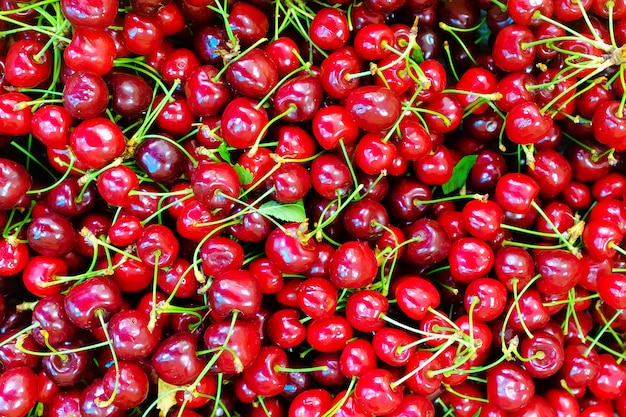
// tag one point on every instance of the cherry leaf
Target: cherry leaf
(459, 174)
(222, 150)
(245, 175)
(166, 397)
(291, 212)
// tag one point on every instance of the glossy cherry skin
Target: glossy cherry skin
(431, 242)
(611, 288)
(508, 52)
(49, 312)
(509, 387)
(175, 360)
(40, 271)
(52, 235)
(92, 300)
(18, 390)
(470, 258)
(141, 34)
(131, 336)
(526, 125)
(235, 290)
(15, 181)
(205, 96)
(243, 338)
(329, 334)
(133, 385)
(97, 141)
(212, 179)
(24, 66)
(85, 95)
(13, 257)
(334, 70)
(364, 309)
(93, 15)
(353, 265)
(15, 120)
(299, 98)
(486, 298)
(242, 123)
(288, 252)
(373, 109)
(579, 367)
(415, 296)
(375, 394)
(516, 192)
(130, 94)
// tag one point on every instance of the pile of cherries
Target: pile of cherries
(312, 209)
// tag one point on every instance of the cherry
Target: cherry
(40, 273)
(525, 124)
(329, 334)
(68, 367)
(27, 63)
(97, 141)
(611, 289)
(298, 99)
(332, 124)
(18, 390)
(415, 296)
(234, 290)
(291, 182)
(16, 120)
(131, 336)
(373, 109)
(175, 360)
(516, 192)
(329, 29)
(330, 176)
(253, 75)
(130, 94)
(610, 383)
(430, 242)
(94, 15)
(266, 375)
(85, 95)
(364, 310)
(142, 34)
(470, 258)
(353, 265)
(157, 245)
(213, 182)
(70, 199)
(393, 346)
(247, 22)
(376, 394)
(289, 250)
(93, 397)
(161, 160)
(243, 340)
(133, 384)
(509, 387)
(205, 96)
(15, 181)
(13, 257)
(50, 314)
(91, 301)
(335, 70)
(509, 51)
(90, 50)
(547, 354)
(242, 123)
(444, 113)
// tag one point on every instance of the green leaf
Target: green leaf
(222, 150)
(291, 212)
(459, 174)
(417, 55)
(245, 175)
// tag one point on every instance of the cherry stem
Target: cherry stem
(548, 220)
(333, 410)
(527, 231)
(306, 66)
(422, 365)
(217, 76)
(93, 239)
(603, 330)
(403, 56)
(23, 332)
(20, 342)
(253, 150)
